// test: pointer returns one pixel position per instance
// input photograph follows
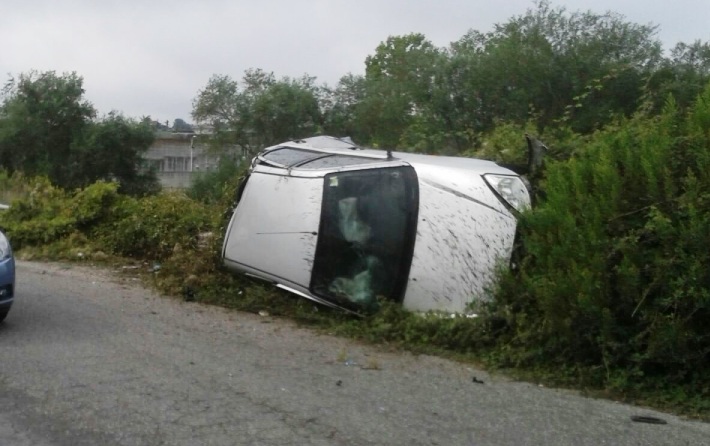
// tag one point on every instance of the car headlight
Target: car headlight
(510, 189)
(5, 249)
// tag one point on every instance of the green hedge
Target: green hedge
(98, 218)
(612, 284)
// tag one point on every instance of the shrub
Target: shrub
(151, 227)
(207, 187)
(38, 218)
(99, 218)
(613, 278)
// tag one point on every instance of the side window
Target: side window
(305, 159)
(334, 161)
(289, 157)
(366, 238)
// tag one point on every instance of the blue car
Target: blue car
(7, 276)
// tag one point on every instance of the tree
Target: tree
(264, 111)
(339, 107)
(216, 104)
(179, 125)
(41, 115)
(683, 75)
(549, 64)
(287, 109)
(400, 84)
(112, 149)
(48, 128)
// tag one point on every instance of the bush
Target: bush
(100, 219)
(39, 218)
(207, 187)
(151, 227)
(613, 277)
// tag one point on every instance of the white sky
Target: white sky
(150, 58)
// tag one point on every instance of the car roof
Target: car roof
(323, 146)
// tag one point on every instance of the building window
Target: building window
(177, 164)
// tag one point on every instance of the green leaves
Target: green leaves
(112, 150)
(151, 227)
(48, 128)
(264, 111)
(614, 272)
(40, 116)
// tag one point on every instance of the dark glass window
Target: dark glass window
(289, 157)
(366, 239)
(331, 161)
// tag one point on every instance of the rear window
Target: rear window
(366, 237)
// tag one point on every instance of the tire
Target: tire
(3, 312)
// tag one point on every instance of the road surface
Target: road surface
(88, 359)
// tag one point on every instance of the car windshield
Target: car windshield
(366, 238)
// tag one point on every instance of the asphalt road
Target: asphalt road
(86, 359)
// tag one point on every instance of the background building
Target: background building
(178, 157)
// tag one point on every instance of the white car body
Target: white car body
(345, 226)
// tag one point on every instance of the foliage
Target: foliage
(153, 226)
(400, 80)
(682, 76)
(13, 186)
(339, 107)
(179, 125)
(47, 128)
(40, 117)
(549, 68)
(47, 214)
(265, 111)
(104, 220)
(612, 283)
(208, 187)
(112, 149)
(505, 144)
(550, 64)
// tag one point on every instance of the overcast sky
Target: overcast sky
(150, 58)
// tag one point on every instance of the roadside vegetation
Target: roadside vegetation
(610, 289)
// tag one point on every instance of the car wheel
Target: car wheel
(3, 313)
